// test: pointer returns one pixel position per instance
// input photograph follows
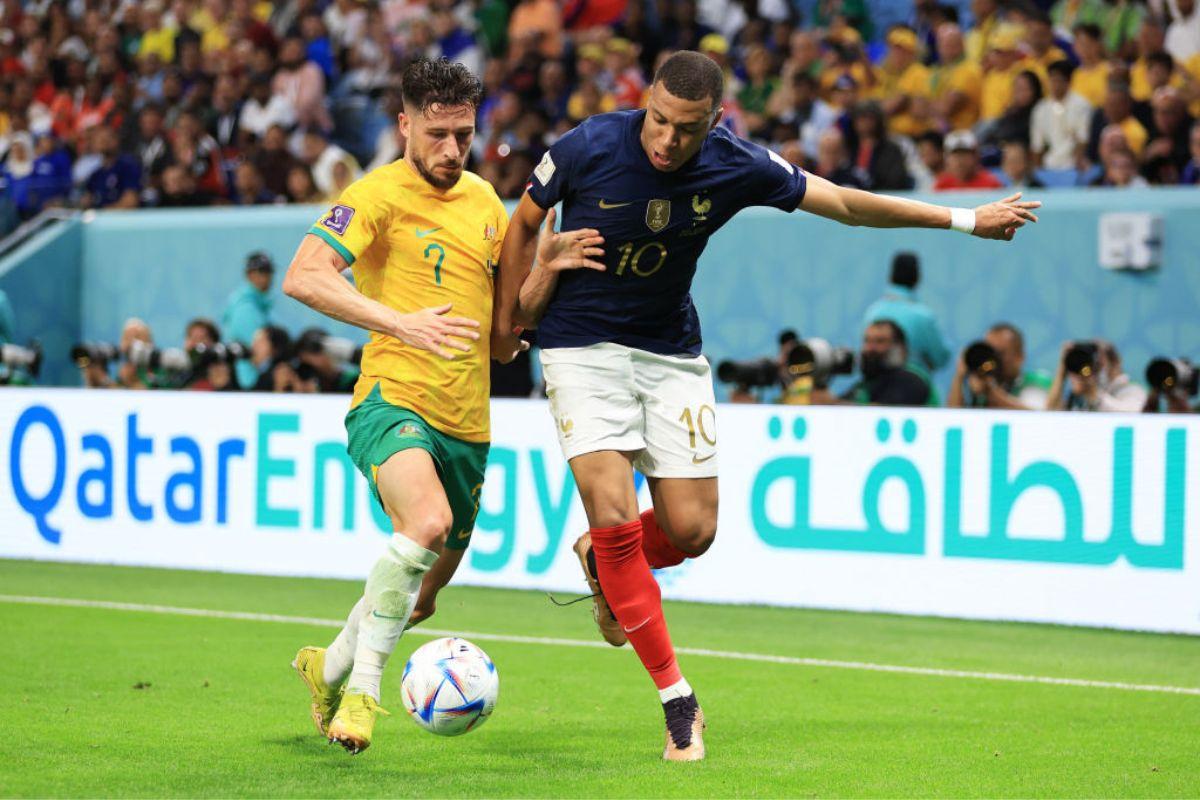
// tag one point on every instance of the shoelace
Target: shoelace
(681, 714)
(368, 705)
(564, 604)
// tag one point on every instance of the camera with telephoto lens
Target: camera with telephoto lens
(16, 360)
(755, 372)
(819, 360)
(140, 354)
(1082, 359)
(1173, 375)
(315, 341)
(203, 356)
(982, 359)
(752, 373)
(100, 353)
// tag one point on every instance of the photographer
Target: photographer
(322, 368)
(200, 332)
(1090, 378)
(1175, 380)
(761, 373)
(131, 374)
(270, 353)
(990, 374)
(887, 377)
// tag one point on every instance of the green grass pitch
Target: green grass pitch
(220, 714)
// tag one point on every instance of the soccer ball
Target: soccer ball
(449, 686)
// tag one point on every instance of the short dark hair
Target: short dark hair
(1089, 29)
(209, 326)
(906, 269)
(934, 138)
(897, 332)
(280, 341)
(1013, 330)
(1061, 67)
(428, 82)
(1162, 59)
(689, 75)
(259, 261)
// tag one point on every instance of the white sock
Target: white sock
(339, 657)
(390, 596)
(680, 688)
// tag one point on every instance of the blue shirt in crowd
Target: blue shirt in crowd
(926, 347)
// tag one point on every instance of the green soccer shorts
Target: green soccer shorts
(376, 430)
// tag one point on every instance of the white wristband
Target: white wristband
(962, 220)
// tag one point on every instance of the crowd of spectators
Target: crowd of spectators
(166, 103)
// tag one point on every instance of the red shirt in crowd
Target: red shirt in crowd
(982, 179)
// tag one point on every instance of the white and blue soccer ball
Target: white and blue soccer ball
(449, 686)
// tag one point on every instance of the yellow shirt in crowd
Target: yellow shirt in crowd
(1091, 83)
(998, 86)
(964, 76)
(413, 246)
(913, 81)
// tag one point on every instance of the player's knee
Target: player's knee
(608, 510)
(697, 537)
(430, 529)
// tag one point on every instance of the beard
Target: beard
(435, 180)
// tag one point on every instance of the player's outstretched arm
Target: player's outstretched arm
(315, 278)
(998, 220)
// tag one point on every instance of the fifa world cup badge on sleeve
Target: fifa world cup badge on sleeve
(545, 170)
(338, 219)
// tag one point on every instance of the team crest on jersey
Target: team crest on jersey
(658, 214)
(409, 431)
(701, 207)
(489, 233)
(338, 219)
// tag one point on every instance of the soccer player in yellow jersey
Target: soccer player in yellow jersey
(423, 239)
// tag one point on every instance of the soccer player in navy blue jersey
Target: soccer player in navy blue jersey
(641, 193)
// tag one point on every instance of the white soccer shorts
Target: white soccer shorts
(611, 397)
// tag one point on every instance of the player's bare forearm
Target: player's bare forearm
(315, 278)
(535, 295)
(516, 259)
(999, 220)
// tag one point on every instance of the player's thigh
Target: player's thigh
(605, 482)
(435, 580)
(412, 494)
(593, 399)
(680, 417)
(686, 510)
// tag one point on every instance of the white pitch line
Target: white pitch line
(559, 642)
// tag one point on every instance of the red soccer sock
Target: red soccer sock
(656, 546)
(633, 595)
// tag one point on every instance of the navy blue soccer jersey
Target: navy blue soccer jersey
(655, 226)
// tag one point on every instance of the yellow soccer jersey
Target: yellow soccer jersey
(413, 246)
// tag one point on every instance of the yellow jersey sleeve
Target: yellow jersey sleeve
(353, 223)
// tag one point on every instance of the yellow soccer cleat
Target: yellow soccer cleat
(355, 721)
(309, 664)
